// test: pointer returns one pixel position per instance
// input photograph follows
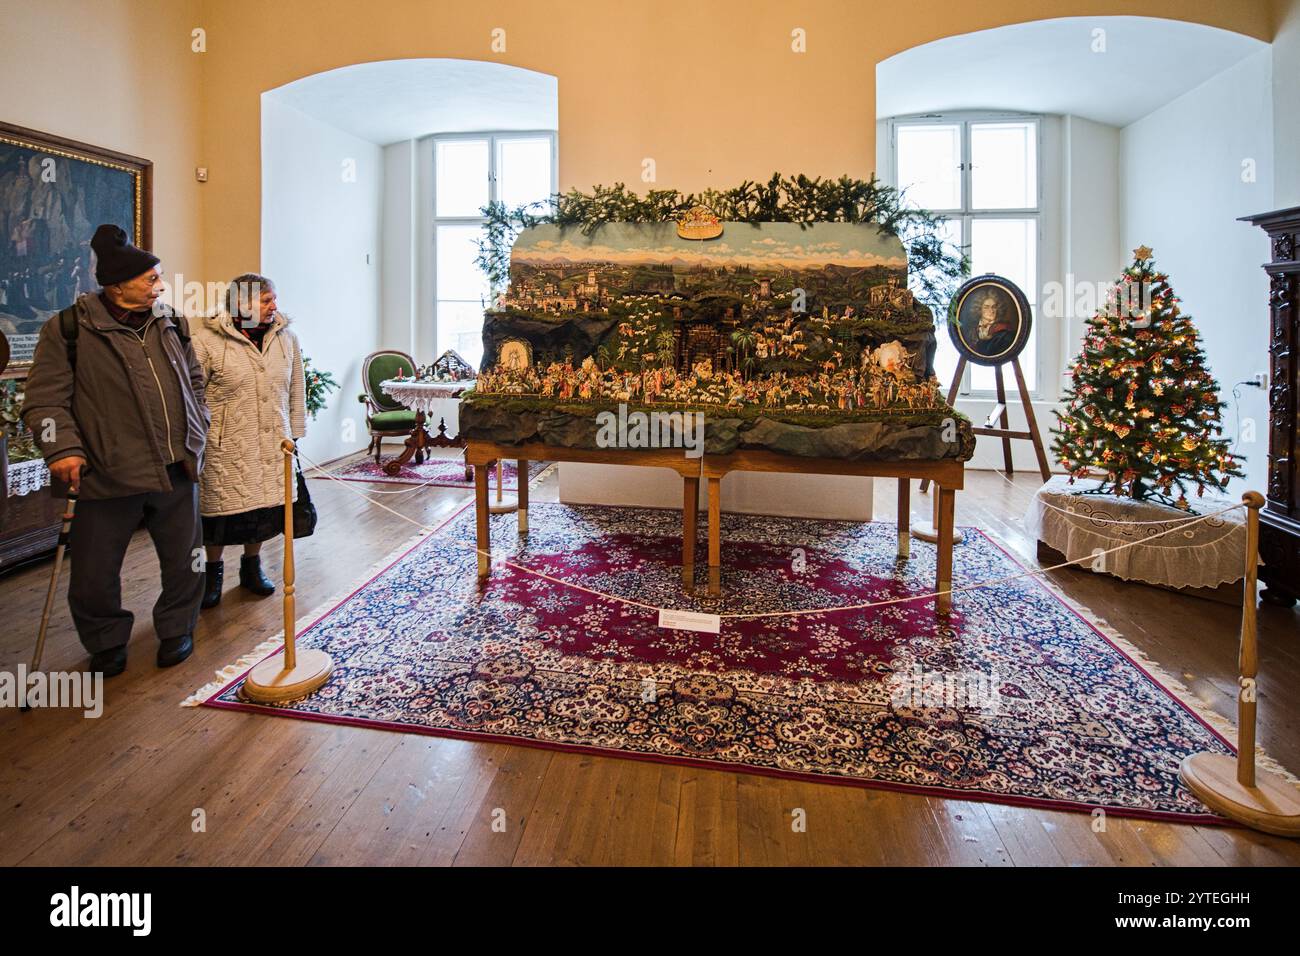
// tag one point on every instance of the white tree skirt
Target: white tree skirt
(1165, 549)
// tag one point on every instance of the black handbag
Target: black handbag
(304, 512)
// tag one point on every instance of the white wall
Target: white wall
(1182, 191)
(321, 245)
(1091, 251)
(397, 324)
(408, 315)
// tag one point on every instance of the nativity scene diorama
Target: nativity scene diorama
(802, 327)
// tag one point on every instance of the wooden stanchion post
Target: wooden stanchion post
(292, 675)
(1268, 801)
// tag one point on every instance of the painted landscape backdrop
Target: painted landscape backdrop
(629, 292)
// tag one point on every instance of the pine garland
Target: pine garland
(936, 265)
(318, 386)
(1142, 408)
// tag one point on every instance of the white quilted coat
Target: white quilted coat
(257, 399)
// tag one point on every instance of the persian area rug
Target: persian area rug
(1017, 698)
(442, 471)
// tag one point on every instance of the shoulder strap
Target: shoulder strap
(69, 328)
(182, 326)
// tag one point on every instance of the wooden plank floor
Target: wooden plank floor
(126, 788)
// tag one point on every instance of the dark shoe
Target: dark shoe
(173, 650)
(214, 576)
(252, 578)
(110, 663)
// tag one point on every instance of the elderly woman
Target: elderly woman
(255, 390)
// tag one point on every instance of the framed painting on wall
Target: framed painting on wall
(53, 193)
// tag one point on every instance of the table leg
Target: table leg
(690, 528)
(946, 505)
(481, 520)
(715, 536)
(416, 443)
(469, 469)
(521, 479)
(904, 517)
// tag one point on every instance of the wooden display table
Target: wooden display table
(483, 454)
(946, 474)
(29, 512)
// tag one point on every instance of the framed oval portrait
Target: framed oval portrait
(989, 320)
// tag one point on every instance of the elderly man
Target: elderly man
(115, 401)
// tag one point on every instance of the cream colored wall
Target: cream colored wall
(711, 91)
(118, 74)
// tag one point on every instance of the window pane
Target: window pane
(945, 356)
(1004, 165)
(523, 170)
(458, 277)
(461, 177)
(929, 165)
(460, 327)
(1009, 248)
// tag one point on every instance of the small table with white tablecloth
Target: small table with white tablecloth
(420, 396)
(1161, 548)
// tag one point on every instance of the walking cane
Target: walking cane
(69, 510)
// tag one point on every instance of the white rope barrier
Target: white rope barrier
(403, 491)
(796, 613)
(378, 491)
(500, 560)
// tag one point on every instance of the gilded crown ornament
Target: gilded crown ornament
(699, 223)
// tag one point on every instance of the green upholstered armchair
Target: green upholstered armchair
(385, 417)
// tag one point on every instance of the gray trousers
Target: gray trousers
(101, 531)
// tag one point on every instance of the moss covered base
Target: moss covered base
(929, 435)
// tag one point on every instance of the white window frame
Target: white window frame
(493, 137)
(1046, 373)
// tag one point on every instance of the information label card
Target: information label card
(690, 621)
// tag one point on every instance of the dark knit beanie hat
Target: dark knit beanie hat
(116, 260)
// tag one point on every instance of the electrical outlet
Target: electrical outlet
(1260, 379)
(201, 173)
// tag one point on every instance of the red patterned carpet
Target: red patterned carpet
(443, 470)
(1016, 699)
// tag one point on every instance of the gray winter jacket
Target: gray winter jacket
(109, 414)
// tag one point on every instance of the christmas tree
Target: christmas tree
(1142, 412)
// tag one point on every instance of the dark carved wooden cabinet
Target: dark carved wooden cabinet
(29, 519)
(1279, 533)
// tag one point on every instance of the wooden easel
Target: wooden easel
(1005, 431)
